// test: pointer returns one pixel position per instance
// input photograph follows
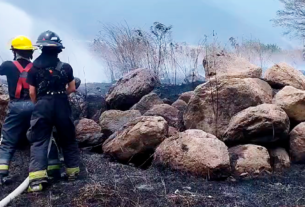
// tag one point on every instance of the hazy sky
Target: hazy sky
(191, 20)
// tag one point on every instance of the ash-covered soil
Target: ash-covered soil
(104, 183)
(168, 91)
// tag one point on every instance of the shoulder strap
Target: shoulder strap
(19, 66)
(21, 69)
(59, 66)
(28, 67)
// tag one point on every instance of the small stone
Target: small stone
(243, 174)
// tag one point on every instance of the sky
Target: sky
(191, 19)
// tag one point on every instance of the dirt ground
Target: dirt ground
(105, 183)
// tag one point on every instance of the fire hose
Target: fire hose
(24, 185)
(15, 193)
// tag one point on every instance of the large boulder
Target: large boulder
(78, 105)
(216, 102)
(292, 100)
(4, 100)
(147, 102)
(131, 88)
(167, 101)
(186, 96)
(282, 74)
(297, 143)
(169, 113)
(180, 105)
(95, 104)
(137, 140)
(88, 133)
(280, 159)
(196, 152)
(249, 160)
(172, 131)
(224, 65)
(266, 123)
(113, 120)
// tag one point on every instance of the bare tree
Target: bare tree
(292, 17)
(162, 35)
(123, 49)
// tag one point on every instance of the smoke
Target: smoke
(14, 21)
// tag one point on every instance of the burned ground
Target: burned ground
(105, 183)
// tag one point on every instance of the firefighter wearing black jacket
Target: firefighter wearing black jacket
(20, 107)
(50, 83)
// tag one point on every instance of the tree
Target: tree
(163, 39)
(292, 17)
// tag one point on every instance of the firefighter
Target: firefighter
(51, 81)
(20, 106)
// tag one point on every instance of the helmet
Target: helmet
(49, 39)
(22, 43)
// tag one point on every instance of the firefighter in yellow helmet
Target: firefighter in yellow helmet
(20, 106)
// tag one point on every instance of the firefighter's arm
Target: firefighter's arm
(71, 87)
(33, 94)
(4, 67)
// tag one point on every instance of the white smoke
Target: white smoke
(14, 21)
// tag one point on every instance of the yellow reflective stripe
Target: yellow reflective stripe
(35, 189)
(72, 171)
(54, 167)
(38, 175)
(3, 167)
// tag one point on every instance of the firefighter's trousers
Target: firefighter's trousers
(50, 111)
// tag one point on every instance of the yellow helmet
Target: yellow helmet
(22, 43)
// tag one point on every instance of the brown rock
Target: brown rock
(113, 120)
(172, 131)
(195, 151)
(282, 74)
(297, 143)
(79, 105)
(4, 100)
(249, 160)
(147, 102)
(279, 159)
(186, 96)
(96, 104)
(137, 140)
(130, 89)
(261, 124)
(88, 132)
(223, 65)
(292, 100)
(169, 113)
(167, 101)
(216, 102)
(180, 105)
(86, 126)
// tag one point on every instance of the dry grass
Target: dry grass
(102, 195)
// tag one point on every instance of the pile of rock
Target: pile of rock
(234, 124)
